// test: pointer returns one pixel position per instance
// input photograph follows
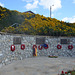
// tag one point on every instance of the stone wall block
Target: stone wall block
(7, 56)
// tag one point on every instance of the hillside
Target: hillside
(9, 17)
(34, 24)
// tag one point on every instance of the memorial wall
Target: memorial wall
(19, 46)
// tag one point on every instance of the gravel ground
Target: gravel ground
(39, 66)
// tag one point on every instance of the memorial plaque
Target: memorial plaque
(17, 40)
(68, 41)
(40, 40)
(65, 41)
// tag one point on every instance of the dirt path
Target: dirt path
(38, 66)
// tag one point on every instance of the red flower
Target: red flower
(70, 72)
(62, 72)
(65, 72)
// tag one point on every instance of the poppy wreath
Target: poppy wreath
(22, 46)
(46, 46)
(34, 46)
(40, 47)
(59, 46)
(12, 48)
(70, 47)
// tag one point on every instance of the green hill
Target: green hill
(34, 24)
(9, 17)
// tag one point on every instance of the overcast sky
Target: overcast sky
(62, 9)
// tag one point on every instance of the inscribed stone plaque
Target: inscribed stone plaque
(17, 40)
(40, 40)
(65, 41)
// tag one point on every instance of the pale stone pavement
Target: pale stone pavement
(39, 66)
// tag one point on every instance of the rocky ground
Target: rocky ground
(38, 66)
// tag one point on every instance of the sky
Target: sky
(63, 10)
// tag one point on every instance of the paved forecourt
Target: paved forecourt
(39, 66)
